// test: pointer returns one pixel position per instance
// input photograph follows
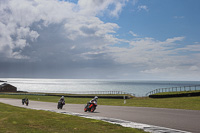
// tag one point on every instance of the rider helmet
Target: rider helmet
(96, 97)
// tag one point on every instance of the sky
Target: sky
(100, 39)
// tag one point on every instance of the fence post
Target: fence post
(124, 100)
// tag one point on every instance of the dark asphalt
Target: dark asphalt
(186, 120)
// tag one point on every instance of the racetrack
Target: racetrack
(185, 120)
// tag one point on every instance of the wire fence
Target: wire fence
(101, 92)
(174, 89)
(79, 92)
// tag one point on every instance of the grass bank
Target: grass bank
(21, 120)
(191, 103)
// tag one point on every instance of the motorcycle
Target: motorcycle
(25, 101)
(90, 106)
(60, 104)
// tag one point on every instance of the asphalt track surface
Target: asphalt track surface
(184, 120)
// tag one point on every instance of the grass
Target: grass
(191, 103)
(21, 120)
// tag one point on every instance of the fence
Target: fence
(174, 89)
(80, 92)
(100, 92)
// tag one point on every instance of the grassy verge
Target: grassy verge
(191, 103)
(21, 120)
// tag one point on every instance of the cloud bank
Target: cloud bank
(62, 39)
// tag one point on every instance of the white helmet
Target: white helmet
(62, 97)
(96, 97)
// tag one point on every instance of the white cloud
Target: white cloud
(18, 55)
(190, 48)
(159, 70)
(174, 39)
(84, 26)
(25, 32)
(18, 19)
(98, 7)
(118, 8)
(143, 7)
(179, 17)
(158, 57)
(133, 34)
(21, 43)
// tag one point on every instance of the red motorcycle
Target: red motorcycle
(90, 106)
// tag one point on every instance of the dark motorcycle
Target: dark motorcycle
(25, 101)
(90, 106)
(60, 104)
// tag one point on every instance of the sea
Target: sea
(137, 87)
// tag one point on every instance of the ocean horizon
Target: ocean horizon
(136, 87)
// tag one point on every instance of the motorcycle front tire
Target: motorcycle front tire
(92, 109)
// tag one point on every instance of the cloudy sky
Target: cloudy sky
(114, 39)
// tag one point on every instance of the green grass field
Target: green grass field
(192, 103)
(21, 120)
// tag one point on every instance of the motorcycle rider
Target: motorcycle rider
(62, 99)
(91, 101)
(61, 102)
(94, 99)
(27, 101)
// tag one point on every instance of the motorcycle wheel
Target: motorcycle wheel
(92, 109)
(85, 109)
